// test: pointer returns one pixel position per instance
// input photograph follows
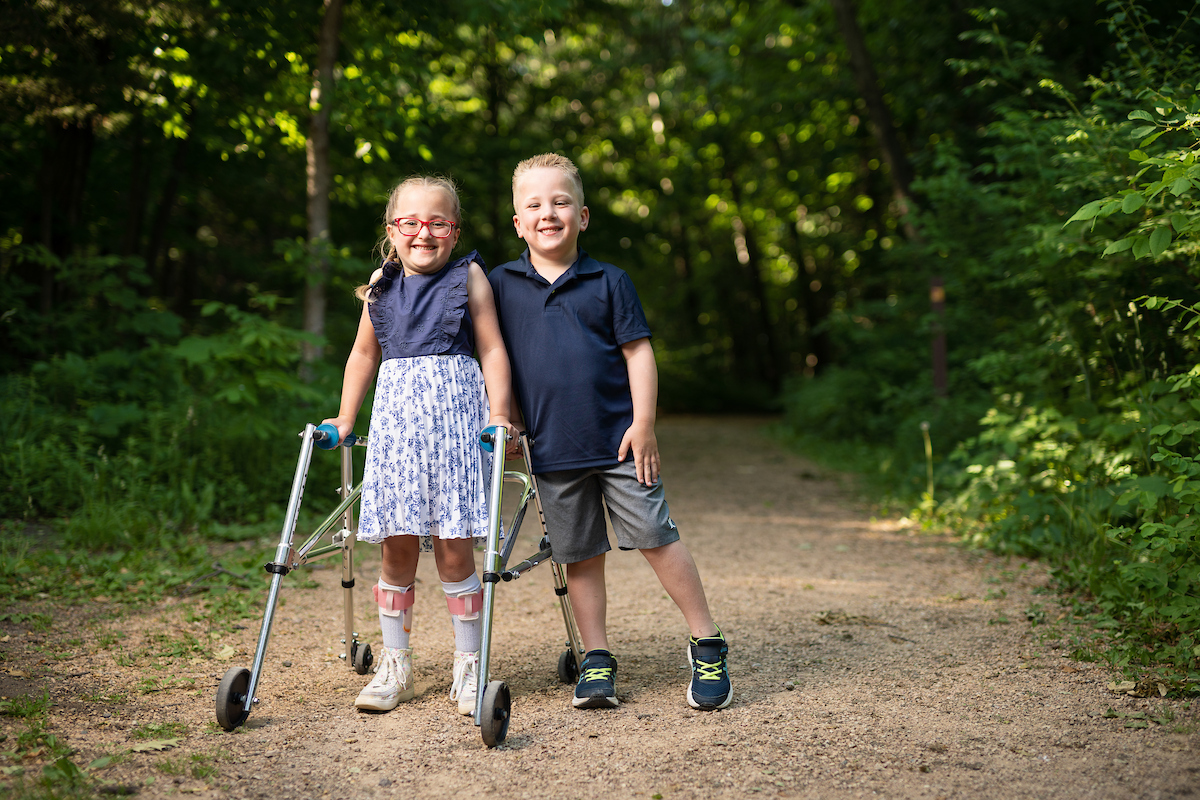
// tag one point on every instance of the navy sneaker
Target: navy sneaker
(597, 686)
(710, 688)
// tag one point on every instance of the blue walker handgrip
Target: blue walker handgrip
(326, 437)
(487, 439)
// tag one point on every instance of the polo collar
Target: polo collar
(584, 265)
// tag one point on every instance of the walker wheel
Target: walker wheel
(497, 705)
(568, 667)
(231, 698)
(363, 659)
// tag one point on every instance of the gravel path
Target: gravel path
(867, 660)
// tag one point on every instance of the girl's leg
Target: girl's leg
(464, 598)
(395, 590)
(676, 571)
(393, 682)
(464, 592)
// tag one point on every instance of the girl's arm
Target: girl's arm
(643, 386)
(360, 371)
(493, 358)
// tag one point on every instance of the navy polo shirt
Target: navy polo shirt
(564, 341)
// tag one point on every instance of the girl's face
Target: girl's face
(422, 254)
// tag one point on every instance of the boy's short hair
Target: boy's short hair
(554, 161)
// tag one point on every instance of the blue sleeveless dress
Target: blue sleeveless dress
(425, 473)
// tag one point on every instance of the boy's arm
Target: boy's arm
(643, 386)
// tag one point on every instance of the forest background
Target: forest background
(954, 246)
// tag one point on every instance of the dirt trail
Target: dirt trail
(867, 660)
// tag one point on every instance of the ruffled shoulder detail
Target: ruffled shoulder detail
(456, 296)
(379, 320)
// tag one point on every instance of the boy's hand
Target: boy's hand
(641, 440)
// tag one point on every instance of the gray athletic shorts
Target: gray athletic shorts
(571, 500)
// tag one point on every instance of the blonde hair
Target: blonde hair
(554, 161)
(387, 252)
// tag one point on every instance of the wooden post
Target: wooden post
(937, 299)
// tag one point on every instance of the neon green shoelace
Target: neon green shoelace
(597, 674)
(708, 671)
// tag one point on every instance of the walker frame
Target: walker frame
(236, 691)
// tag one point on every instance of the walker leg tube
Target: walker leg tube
(280, 566)
(491, 566)
(351, 533)
(574, 641)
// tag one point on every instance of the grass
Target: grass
(159, 730)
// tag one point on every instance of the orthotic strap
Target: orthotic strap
(465, 606)
(391, 602)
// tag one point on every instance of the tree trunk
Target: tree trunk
(319, 180)
(166, 204)
(884, 130)
(878, 114)
(135, 213)
(765, 343)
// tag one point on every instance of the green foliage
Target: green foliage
(129, 435)
(1087, 359)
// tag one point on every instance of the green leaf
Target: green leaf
(1145, 130)
(1138, 155)
(1132, 202)
(1088, 211)
(1149, 140)
(1160, 240)
(1119, 246)
(1180, 186)
(1141, 246)
(1140, 114)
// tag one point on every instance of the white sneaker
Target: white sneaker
(392, 684)
(466, 681)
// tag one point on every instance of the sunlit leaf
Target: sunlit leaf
(155, 745)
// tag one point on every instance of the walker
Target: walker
(493, 703)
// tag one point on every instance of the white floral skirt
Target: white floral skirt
(425, 473)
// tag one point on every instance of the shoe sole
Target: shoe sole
(595, 702)
(381, 705)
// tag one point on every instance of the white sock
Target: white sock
(396, 629)
(467, 632)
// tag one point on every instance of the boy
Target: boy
(587, 385)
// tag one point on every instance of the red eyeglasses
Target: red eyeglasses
(410, 226)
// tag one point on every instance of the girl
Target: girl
(423, 483)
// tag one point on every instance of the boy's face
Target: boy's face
(549, 215)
